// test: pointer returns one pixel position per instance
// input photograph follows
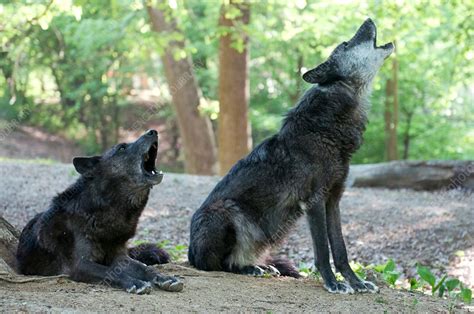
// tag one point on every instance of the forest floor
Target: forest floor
(434, 229)
(209, 292)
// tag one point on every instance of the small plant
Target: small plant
(453, 288)
(359, 269)
(177, 252)
(389, 274)
(428, 277)
(308, 270)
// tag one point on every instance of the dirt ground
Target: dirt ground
(209, 292)
(435, 229)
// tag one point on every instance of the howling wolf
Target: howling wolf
(84, 232)
(301, 169)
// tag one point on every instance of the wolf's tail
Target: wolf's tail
(284, 266)
(149, 254)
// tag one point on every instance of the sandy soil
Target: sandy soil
(210, 292)
(408, 226)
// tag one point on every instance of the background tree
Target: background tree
(391, 112)
(235, 139)
(195, 129)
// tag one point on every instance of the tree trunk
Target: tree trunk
(235, 140)
(407, 136)
(391, 113)
(417, 175)
(8, 244)
(196, 130)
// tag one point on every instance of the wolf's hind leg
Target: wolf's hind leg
(338, 246)
(149, 254)
(212, 238)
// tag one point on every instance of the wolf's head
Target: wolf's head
(355, 62)
(131, 164)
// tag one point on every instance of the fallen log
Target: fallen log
(8, 244)
(417, 175)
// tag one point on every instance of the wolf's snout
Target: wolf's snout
(152, 133)
(366, 32)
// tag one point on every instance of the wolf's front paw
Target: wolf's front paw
(169, 283)
(338, 287)
(139, 287)
(365, 286)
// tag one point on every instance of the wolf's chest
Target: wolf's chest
(113, 227)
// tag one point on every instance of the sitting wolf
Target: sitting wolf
(84, 232)
(301, 169)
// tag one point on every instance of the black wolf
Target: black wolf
(301, 169)
(84, 232)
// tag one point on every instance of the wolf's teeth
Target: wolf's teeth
(153, 172)
(160, 172)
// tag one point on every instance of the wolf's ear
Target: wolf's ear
(85, 164)
(320, 74)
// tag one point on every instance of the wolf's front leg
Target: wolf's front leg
(87, 271)
(338, 246)
(143, 272)
(317, 223)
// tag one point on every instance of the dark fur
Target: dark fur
(149, 254)
(301, 169)
(84, 232)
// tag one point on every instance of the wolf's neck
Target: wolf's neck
(100, 195)
(361, 91)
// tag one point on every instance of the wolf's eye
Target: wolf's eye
(344, 43)
(122, 147)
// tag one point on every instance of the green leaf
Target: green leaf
(414, 284)
(390, 266)
(426, 275)
(451, 284)
(391, 277)
(379, 268)
(441, 291)
(439, 284)
(466, 294)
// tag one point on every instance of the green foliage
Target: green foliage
(451, 288)
(389, 274)
(359, 270)
(177, 252)
(73, 64)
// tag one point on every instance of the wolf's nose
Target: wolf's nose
(152, 133)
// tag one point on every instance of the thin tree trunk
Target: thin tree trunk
(196, 130)
(235, 138)
(391, 113)
(296, 94)
(406, 136)
(8, 244)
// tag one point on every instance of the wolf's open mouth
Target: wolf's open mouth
(149, 160)
(386, 46)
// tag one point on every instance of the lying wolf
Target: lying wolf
(84, 232)
(301, 169)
